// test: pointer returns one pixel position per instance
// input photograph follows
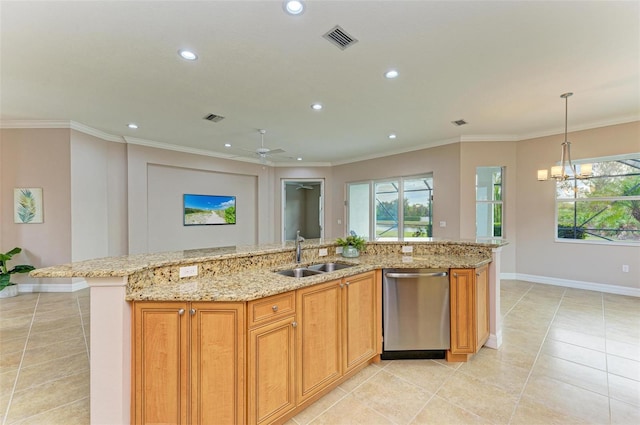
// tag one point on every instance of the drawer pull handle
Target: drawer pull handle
(274, 308)
(181, 312)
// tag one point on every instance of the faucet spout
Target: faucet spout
(299, 240)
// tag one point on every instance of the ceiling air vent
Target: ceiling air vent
(459, 122)
(339, 37)
(214, 117)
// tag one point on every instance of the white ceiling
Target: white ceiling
(501, 66)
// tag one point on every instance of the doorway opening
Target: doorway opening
(302, 208)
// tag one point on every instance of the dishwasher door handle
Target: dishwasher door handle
(414, 275)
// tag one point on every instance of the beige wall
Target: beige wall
(442, 161)
(139, 161)
(490, 154)
(37, 158)
(537, 254)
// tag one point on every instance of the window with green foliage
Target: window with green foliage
(391, 219)
(604, 208)
(489, 202)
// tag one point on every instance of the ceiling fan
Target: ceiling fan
(263, 152)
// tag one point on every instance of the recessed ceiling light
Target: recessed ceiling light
(392, 73)
(299, 158)
(132, 126)
(227, 145)
(392, 136)
(293, 7)
(316, 106)
(187, 55)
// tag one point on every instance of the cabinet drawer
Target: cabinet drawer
(274, 307)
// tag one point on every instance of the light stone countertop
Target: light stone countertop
(259, 283)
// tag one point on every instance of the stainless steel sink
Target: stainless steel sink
(314, 270)
(299, 272)
(330, 267)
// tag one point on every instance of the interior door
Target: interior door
(302, 208)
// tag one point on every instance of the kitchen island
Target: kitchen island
(234, 276)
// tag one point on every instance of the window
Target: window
(374, 209)
(604, 208)
(489, 198)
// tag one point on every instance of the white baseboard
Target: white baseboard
(52, 287)
(589, 286)
(494, 341)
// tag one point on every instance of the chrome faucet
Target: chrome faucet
(299, 240)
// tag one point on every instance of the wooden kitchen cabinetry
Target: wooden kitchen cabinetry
(271, 354)
(188, 363)
(338, 331)
(469, 300)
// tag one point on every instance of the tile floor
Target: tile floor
(568, 357)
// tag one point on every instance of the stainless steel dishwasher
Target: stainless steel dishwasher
(415, 313)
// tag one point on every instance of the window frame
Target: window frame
(372, 236)
(577, 200)
(501, 202)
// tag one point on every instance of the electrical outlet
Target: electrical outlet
(322, 252)
(189, 271)
(625, 268)
(407, 249)
(443, 224)
(338, 250)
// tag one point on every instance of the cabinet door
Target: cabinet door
(359, 320)
(217, 363)
(462, 296)
(318, 346)
(160, 363)
(271, 371)
(482, 306)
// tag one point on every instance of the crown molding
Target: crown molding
(35, 124)
(194, 151)
(590, 126)
(95, 132)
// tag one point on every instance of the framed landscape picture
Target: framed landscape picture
(209, 209)
(27, 205)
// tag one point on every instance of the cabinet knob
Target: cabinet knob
(294, 324)
(348, 283)
(478, 274)
(274, 308)
(455, 275)
(342, 285)
(192, 311)
(181, 311)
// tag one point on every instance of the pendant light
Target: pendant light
(567, 169)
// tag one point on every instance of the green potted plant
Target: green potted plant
(351, 245)
(7, 288)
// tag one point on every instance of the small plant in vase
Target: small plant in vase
(7, 288)
(351, 245)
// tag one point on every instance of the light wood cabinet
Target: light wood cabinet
(338, 330)
(319, 342)
(469, 301)
(271, 354)
(360, 317)
(188, 363)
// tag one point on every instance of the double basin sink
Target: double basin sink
(314, 270)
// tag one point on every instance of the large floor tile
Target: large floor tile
(623, 367)
(392, 397)
(576, 337)
(624, 389)
(351, 411)
(487, 401)
(32, 376)
(575, 353)
(485, 366)
(439, 411)
(574, 401)
(572, 373)
(623, 349)
(532, 412)
(426, 374)
(624, 414)
(360, 377)
(74, 413)
(317, 408)
(47, 396)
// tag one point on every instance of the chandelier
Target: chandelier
(567, 169)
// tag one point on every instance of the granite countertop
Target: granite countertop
(259, 283)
